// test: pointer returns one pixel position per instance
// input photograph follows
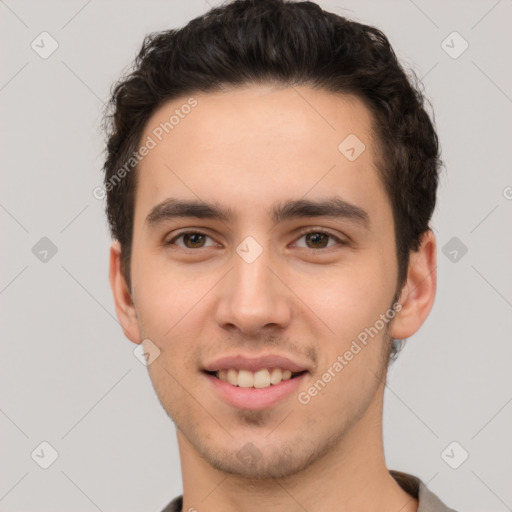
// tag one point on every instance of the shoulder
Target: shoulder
(175, 505)
(427, 500)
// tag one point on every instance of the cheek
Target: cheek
(348, 297)
(166, 298)
(351, 350)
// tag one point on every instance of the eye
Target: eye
(313, 239)
(191, 240)
(319, 240)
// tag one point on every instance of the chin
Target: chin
(262, 458)
(250, 463)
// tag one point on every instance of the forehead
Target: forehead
(254, 145)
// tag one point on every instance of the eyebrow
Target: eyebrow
(335, 208)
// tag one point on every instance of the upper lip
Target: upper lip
(240, 362)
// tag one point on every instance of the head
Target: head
(260, 119)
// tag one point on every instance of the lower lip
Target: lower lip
(255, 398)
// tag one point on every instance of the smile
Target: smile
(246, 394)
(259, 379)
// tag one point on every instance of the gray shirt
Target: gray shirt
(427, 500)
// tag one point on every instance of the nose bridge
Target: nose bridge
(251, 275)
(252, 296)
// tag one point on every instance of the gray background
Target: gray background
(67, 374)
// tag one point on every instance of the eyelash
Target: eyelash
(302, 234)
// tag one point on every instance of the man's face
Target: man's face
(256, 286)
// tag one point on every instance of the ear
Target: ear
(125, 309)
(418, 293)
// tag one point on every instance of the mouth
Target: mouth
(255, 383)
(251, 397)
(259, 379)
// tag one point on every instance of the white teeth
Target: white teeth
(245, 379)
(276, 376)
(260, 379)
(232, 377)
(287, 374)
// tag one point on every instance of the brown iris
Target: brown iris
(196, 240)
(319, 240)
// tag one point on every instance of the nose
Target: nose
(252, 298)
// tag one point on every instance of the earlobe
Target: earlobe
(418, 293)
(125, 309)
